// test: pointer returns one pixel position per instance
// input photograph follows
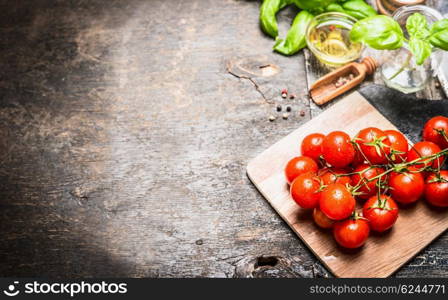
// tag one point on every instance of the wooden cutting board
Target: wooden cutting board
(383, 254)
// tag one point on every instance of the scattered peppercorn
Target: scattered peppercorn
(284, 91)
(292, 96)
(437, 84)
(271, 118)
(284, 95)
(279, 107)
(285, 116)
(288, 108)
(302, 113)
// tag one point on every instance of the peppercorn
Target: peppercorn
(271, 118)
(292, 96)
(285, 116)
(279, 107)
(288, 108)
(302, 113)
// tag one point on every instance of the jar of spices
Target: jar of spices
(388, 7)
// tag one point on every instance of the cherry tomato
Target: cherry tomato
(351, 233)
(368, 189)
(399, 146)
(406, 187)
(321, 219)
(305, 190)
(382, 213)
(336, 202)
(359, 159)
(330, 175)
(436, 189)
(312, 146)
(423, 149)
(299, 165)
(338, 150)
(432, 131)
(375, 144)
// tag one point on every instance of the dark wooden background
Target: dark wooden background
(125, 130)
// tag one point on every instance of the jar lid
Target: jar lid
(387, 7)
(407, 2)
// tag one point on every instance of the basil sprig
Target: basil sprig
(384, 33)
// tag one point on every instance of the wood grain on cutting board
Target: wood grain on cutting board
(417, 225)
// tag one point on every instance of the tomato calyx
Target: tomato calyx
(379, 145)
(357, 216)
(381, 204)
(438, 179)
(322, 186)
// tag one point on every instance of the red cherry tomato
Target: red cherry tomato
(375, 144)
(368, 189)
(436, 189)
(305, 190)
(423, 149)
(336, 202)
(432, 131)
(338, 150)
(300, 165)
(351, 233)
(312, 146)
(321, 219)
(359, 159)
(382, 213)
(406, 187)
(399, 146)
(330, 175)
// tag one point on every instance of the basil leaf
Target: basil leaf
(295, 39)
(315, 6)
(421, 49)
(358, 9)
(439, 34)
(417, 26)
(268, 12)
(378, 32)
(336, 8)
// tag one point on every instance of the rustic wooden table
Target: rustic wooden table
(125, 130)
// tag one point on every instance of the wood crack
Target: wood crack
(257, 87)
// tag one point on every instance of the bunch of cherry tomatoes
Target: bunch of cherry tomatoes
(376, 167)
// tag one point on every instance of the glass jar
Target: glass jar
(399, 69)
(327, 37)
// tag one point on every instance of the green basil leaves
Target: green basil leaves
(439, 34)
(295, 39)
(358, 9)
(384, 33)
(417, 26)
(421, 49)
(378, 32)
(268, 12)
